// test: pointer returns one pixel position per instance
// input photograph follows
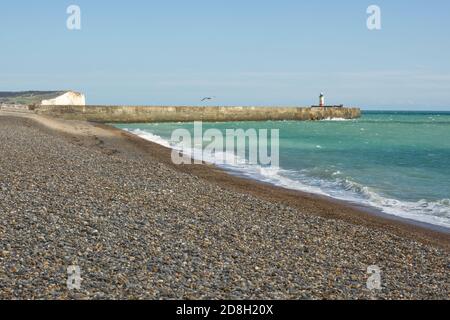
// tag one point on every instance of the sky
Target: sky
(277, 53)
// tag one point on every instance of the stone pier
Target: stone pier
(142, 114)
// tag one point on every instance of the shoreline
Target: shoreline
(353, 204)
(140, 227)
(320, 205)
(325, 206)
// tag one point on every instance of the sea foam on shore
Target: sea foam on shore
(358, 161)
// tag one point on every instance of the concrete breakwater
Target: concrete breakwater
(142, 114)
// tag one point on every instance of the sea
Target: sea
(395, 162)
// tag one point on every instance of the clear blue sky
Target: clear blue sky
(251, 52)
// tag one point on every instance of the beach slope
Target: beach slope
(76, 193)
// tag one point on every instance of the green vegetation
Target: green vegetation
(28, 97)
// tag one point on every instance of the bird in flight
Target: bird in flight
(207, 98)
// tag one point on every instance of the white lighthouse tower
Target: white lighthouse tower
(322, 100)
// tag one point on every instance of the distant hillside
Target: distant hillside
(28, 97)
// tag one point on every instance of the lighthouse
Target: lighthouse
(322, 100)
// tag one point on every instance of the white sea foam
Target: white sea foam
(437, 213)
(434, 212)
(150, 137)
(337, 119)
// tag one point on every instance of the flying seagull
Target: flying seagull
(207, 98)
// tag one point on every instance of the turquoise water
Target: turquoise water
(398, 162)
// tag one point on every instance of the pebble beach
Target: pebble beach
(139, 227)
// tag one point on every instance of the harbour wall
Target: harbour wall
(142, 114)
